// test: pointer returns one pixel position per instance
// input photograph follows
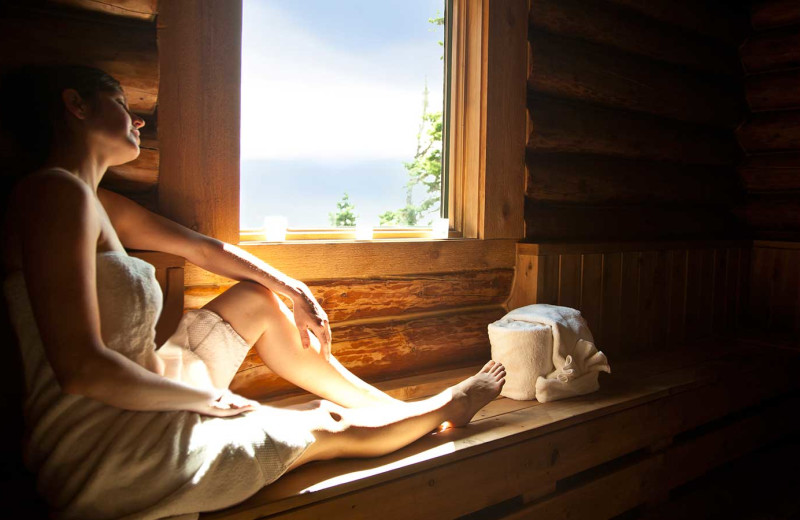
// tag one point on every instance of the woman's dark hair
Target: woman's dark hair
(31, 107)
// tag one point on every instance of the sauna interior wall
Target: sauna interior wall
(632, 110)
(770, 169)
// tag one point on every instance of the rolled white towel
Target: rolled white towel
(522, 344)
(548, 351)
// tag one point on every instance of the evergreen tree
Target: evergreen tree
(425, 169)
(345, 213)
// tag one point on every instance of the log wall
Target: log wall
(632, 107)
(771, 135)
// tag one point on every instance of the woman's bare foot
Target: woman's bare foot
(476, 392)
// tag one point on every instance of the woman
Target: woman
(119, 428)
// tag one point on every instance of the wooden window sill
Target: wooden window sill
(323, 260)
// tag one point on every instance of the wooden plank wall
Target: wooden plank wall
(632, 107)
(771, 135)
(774, 301)
(116, 36)
(639, 297)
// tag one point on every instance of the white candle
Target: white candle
(441, 228)
(275, 228)
(363, 232)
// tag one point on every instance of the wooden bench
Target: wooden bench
(659, 420)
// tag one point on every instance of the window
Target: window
(341, 122)
(199, 139)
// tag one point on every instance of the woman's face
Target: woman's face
(114, 128)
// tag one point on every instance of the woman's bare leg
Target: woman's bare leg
(263, 320)
(342, 432)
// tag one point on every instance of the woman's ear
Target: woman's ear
(74, 103)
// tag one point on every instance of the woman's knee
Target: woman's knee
(248, 307)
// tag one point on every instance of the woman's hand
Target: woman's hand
(309, 317)
(229, 404)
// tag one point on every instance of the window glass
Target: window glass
(341, 112)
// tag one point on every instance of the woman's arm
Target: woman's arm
(139, 228)
(59, 230)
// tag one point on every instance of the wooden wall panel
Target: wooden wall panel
(591, 303)
(773, 305)
(610, 324)
(676, 296)
(641, 297)
(629, 303)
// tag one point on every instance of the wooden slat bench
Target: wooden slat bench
(658, 421)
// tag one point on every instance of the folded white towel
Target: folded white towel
(548, 352)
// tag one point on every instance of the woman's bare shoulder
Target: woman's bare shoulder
(42, 196)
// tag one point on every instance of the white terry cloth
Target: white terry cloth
(94, 461)
(548, 352)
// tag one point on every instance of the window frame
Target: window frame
(199, 129)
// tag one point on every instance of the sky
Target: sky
(335, 83)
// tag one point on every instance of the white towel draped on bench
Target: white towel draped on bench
(548, 352)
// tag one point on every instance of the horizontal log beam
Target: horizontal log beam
(390, 349)
(771, 132)
(571, 68)
(561, 126)
(596, 223)
(632, 32)
(768, 14)
(774, 213)
(594, 179)
(716, 19)
(772, 50)
(136, 9)
(126, 50)
(361, 298)
(771, 172)
(773, 90)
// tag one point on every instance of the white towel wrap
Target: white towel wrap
(548, 352)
